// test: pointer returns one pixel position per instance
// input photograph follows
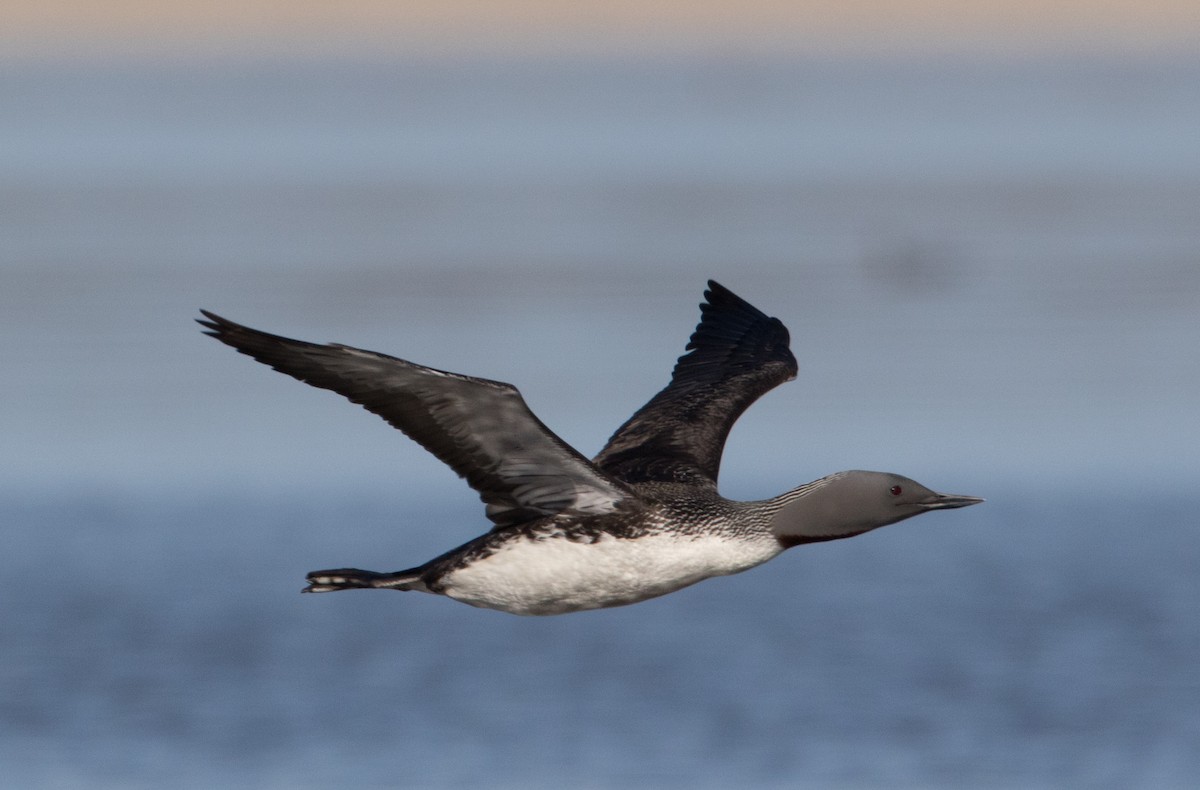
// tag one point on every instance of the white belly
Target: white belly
(556, 575)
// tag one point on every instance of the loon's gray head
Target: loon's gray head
(850, 503)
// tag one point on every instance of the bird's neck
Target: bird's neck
(815, 512)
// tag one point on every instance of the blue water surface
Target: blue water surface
(1047, 642)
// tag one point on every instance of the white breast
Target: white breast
(556, 575)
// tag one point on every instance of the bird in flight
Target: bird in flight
(641, 519)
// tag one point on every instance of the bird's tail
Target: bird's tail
(353, 578)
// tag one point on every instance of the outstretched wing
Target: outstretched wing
(736, 354)
(482, 429)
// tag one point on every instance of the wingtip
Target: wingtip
(210, 319)
(716, 295)
(215, 325)
(715, 289)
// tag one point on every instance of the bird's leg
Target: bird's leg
(341, 579)
(353, 578)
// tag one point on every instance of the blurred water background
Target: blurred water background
(991, 274)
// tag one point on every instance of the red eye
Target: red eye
(897, 490)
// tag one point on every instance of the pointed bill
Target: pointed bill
(949, 501)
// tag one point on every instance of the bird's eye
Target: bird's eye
(897, 490)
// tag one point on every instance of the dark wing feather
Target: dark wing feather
(736, 354)
(482, 429)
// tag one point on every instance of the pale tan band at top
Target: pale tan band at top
(515, 27)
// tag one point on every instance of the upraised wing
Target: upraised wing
(482, 429)
(736, 354)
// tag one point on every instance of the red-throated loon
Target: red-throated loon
(641, 519)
